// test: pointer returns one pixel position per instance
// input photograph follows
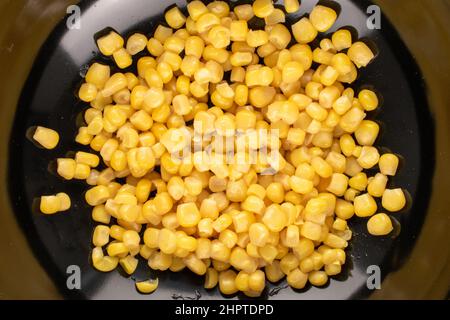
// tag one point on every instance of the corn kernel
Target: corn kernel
(211, 278)
(360, 54)
(110, 43)
(47, 138)
(367, 133)
(66, 168)
(388, 164)
(393, 200)
(322, 18)
(259, 234)
(263, 8)
(318, 278)
(175, 18)
(304, 31)
(97, 75)
(379, 224)
(365, 205)
(244, 12)
(50, 204)
(147, 286)
(188, 214)
(87, 92)
(102, 263)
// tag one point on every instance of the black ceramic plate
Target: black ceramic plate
(49, 99)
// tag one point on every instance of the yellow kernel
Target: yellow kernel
(196, 9)
(211, 278)
(369, 157)
(360, 54)
(351, 120)
(174, 44)
(117, 82)
(333, 241)
(129, 264)
(292, 71)
(261, 96)
(393, 199)
(227, 282)
(388, 164)
(367, 133)
(116, 249)
(311, 230)
(318, 278)
(342, 39)
(222, 222)
(256, 38)
(322, 18)
(277, 16)
(102, 263)
(244, 12)
(188, 214)
(167, 241)
(100, 236)
(228, 238)
(263, 8)
(206, 21)
(253, 204)
(379, 224)
(47, 138)
(86, 158)
(65, 202)
(136, 43)
(238, 30)
(304, 31)
(268, 252)
(236, 190)
(110, 43)
(219, 8)
(239, 59)
(160, 261)
(122, 58)
(329, 76)
(242, 281)
(377, 185)
(147, 286)
(175, 18)
(322, 168)
(82, 171)
(97, 75)
(259, 234)
(297, 279)
(66, 168)
(50, 204)
(359, 181)
(256, 281)
(338, 184)
(219, 36)
(365, 205)
(87, 92)
(368, 99)
(350, 194)
(274, 218)
(291, 6)
(301, 185)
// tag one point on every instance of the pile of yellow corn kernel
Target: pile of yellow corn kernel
(230, 222)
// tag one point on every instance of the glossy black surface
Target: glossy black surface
(49, 99)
